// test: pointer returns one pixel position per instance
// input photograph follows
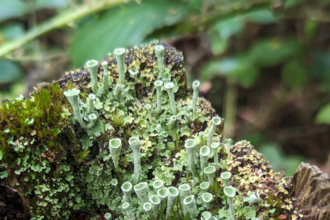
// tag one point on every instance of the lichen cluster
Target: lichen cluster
(131, 142)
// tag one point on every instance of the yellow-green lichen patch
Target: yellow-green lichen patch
(252, 173)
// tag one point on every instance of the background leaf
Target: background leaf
(294, 75)
(123, 27)
(11, 9)
(9, 71)
(323, 116)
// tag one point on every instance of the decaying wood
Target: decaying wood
(311, 188)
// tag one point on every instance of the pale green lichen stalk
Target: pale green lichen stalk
(126, 208)
(141, 191)
(92, 66)
(159, 50)
(155, 202)
(204, 152)
(190, 206)
(210, 173)
(195, 86)
(158, 85)
(91, 100)
(120, 57)
(73, 97)
(105, 76)
(207, 198)
(190, 146)
(230, 193)
(169, 88)
(215, 147)
(158, 184)
(92, 119)
(115, 149)
(184, 191)
(127, 190)
(172, 195)
(225, 176)
(215, 122)
(135, 145)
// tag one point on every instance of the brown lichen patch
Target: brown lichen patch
(252, 172)
(141, 58)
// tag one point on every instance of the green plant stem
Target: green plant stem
(58, 21)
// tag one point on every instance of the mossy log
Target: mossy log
(61, 169)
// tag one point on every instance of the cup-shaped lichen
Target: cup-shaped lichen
(215, 147)
(195, 86)
(169, 88)
(92, 119)
(148, 107)
(215, 122)
(190, 208)
(230, 193)
(114, 182)
(207, 199)
(157, 184)
(135, 145)
(162, 194)
(204, 186)
(155, 202)
(184, 190)
(91, 99)
(115, 148)
(210, 173)
(73, 96)
(105, 76)
(127, 190)
(107, 216)
(204, 152)
(147, 207)
(141, 191)
(133, 73)
(159, 50)
(93, 66)
(190, 146)
(158, 84)
(206, 215)
(120, 57)
(225, 176)
(172, 195)
(126, 209)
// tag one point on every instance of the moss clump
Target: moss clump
(62, 168)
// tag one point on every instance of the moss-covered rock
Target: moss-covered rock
(61, 165)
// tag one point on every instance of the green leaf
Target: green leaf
(123, 27)
(294, 75)
(323, 116)
(40, 4)
(273, 51)
(3, 174)
(12, 31)
(1, 154)
(260, 16)
(234, 68)
(9, 71)
(228, 27)
(12, 9)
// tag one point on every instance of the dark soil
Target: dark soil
(10, 205)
